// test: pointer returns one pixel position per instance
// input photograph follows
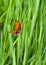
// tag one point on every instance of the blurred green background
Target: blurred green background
(29, 47)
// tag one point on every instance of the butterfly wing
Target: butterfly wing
(18, 25)
(15, 31)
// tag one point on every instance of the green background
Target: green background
(28, 47)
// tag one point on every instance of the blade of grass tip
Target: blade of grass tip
(36, 6)
(15, 41)
(29, 61)
(3, 14)
(44, 51)
(32, 61)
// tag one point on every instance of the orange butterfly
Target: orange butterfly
(18, 28)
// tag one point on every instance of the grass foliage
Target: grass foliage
(29, 47)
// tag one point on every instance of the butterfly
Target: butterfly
(18, 28)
